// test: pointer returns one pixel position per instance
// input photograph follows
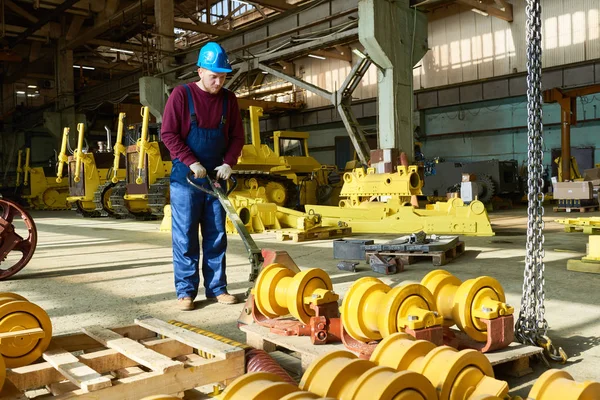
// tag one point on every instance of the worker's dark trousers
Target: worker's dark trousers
(190, 208)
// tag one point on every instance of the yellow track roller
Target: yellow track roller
(456, 375)
(2, 372)
(340, 374)
(264, 386)
(280, 291)
(463, 303)
(557, 384)
(30, 329)
(372, 310)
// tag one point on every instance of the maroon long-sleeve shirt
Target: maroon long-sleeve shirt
(208, 108)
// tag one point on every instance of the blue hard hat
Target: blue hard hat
(213, 58)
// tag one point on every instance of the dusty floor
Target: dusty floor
(108, 272)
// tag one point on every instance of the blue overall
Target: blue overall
(191, 207)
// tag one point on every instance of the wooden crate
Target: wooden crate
(438, 258)
(576, 209)
(128, 363)
(513, 360)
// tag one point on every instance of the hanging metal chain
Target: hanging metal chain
(531, 326)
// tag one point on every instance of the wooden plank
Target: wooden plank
(77, 373)
(197, 341)
(582, 266)
(33, 333)
(204, 372)
(133, 350)
(81, 341)
(511, 353)
(103, 361)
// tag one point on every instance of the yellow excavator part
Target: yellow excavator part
(443, 218)
(557, 384)
(280, 291)
(264, 386)
(465, 303)
(361, 185)
(42, 192)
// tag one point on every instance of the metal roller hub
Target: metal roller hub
(465, 303)
(12, 242)
(280, 291)
(557, 384)
(261, 386)
(21, 315)
(372, 310)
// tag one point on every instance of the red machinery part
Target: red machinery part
(261, 361)
(11, 241)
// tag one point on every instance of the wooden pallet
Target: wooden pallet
(437, 257)
(321, 233)
(513, 360)
(576, 209)
(127, 363)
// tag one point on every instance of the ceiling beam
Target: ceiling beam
(116, 45)
(278, 5)
(499, 8)
(102, 26)
(198, 27)
(47, 17)
(75, 26)
(18, 10)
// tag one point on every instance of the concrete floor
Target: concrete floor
(108, 272)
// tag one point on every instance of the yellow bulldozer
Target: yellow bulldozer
(145, 191)
(289, 175)
(90, 174)
(39, 186)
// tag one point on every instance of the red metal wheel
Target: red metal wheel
(11, 240)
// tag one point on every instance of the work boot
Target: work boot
(224, 298)
(185, 304)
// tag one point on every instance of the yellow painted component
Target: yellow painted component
(456, 375)
(19, 315)
(340, 374)
(464, 303)
(78, 153)
(593, 249)
(444, 218)
(62, 157)
(143, 143)
(2, 372)
(162, 397)
(27, 168)
(19, 168)
(372, 310)
(258, 386)
(118, 149)
(165, 223)
(334, 374)
(280, 291)
(360, 185)
(211, 335)
(556, 384)
(575, 174)
(42, 192)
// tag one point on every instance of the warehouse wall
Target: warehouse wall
(498, 130)
(466, 46)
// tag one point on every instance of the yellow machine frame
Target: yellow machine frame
(44, 193)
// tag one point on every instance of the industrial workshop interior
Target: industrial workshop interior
(300, 199)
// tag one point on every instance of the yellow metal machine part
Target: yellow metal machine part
(88, 172)
(42, 192)
(280, 291)
(147, 166)
(591, 226)
(556, 384)
(341, 375)
(456, 375)
(464, 303)
(2, 372)
(372, 310)
(264, 386)
(283, 169)
(26, 330)
(119, 150)
(444, 218)
(361, 186)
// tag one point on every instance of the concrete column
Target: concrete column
(65, 87)
(386, 31)
(164, 13)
